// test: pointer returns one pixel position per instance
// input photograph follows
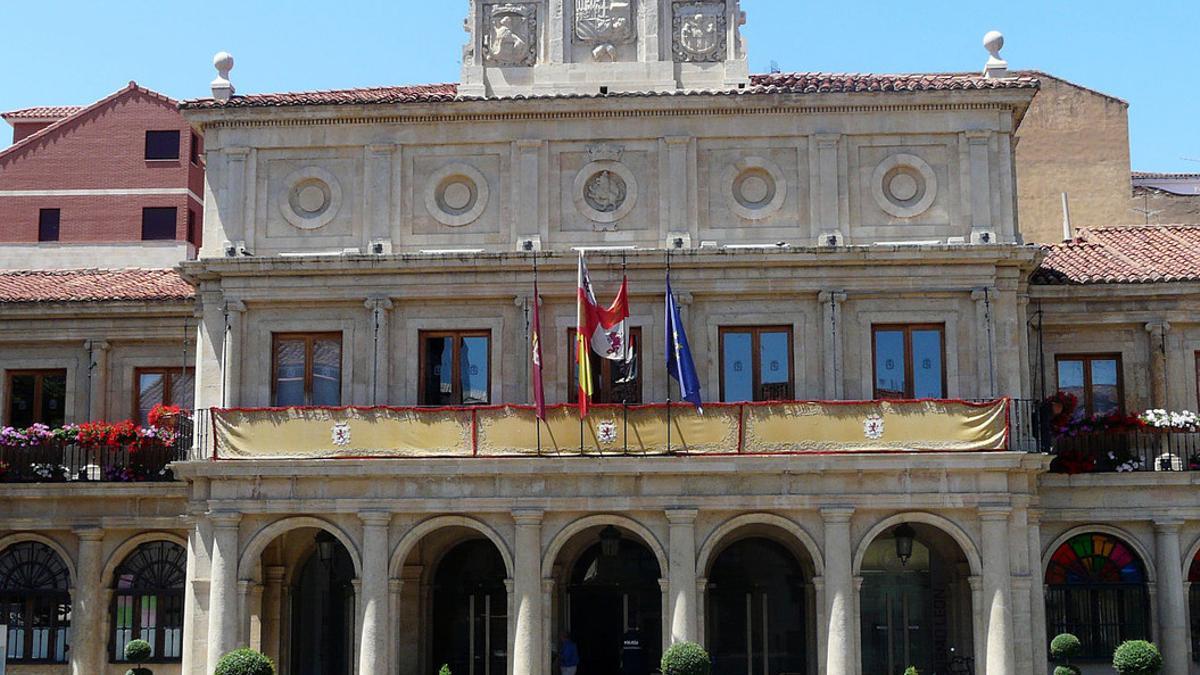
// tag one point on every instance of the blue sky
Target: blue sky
(76, 51)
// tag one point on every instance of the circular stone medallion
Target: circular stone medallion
(904, 186)
(456, 195)
(310, 198)
(754, 188)
(605, 191)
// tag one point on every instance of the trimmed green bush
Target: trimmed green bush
(1066, 670)
(911, 670)
(245, 662)
(138, 651)
(445, 669)
(685, 658)
(1137, 657)
(1064, 646)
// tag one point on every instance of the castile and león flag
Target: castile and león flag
(603, 330)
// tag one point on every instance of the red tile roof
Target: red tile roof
(1134, 254)
(774, 83)
(46, 112)
(93, 286)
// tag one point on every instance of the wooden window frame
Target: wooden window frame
(38, 387)
(1088, 403)
(30, 600)
(456, 374)
(909, 380)
(310, 340)
(604, 370)
(168, 375)
(756, 356)
(137, 594)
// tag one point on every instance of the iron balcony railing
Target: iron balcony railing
(147, 460)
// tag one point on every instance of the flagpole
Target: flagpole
(536, 417)
(670, 335)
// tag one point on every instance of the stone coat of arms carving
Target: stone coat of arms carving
(699, 29)
(605, 21)
(510, 34)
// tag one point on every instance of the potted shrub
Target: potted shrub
(138, 651)
(1137, 657)
(686, 658)
(245, 662)
(444, 670)
(911, 670)
(1062, 648)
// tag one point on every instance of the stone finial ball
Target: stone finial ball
(223, 62)
(993, 42)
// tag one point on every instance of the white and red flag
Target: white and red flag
(604, 331)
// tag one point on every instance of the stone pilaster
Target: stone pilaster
(826, 212)
(233, 217)
(527, 593)
(395, 603)
(985, 353)
(377, 197)
(235, 311)
(1158, 363)
(223, 590)
(527, 192)
(983, 229)
(678, 195)
(682, 575)
(1037, 595)
(272, 616)
(98, 380)
(87, 613)
(1172, 601)
(373, 606)
(997, 592)
(379, 310)
(1021, 583)
(833, 332)
(839, 592)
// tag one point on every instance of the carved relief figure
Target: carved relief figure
(511, 34)
(605, 192)
(699, 31)
(604, 21)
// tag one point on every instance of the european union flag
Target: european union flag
(679, 356)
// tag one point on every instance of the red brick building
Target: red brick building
(80, 184)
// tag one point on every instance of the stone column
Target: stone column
(232, 361)
(985, 299)
(997, 591)
(980, 188)
(831, 317)
(678, 195)
(839, 591)
(395, 597)
(527, 192)
(222, 590)
(87, 614)
(1172, 601)
(1021, 583)
(378, 377)
(1158, 363)
(233, 217)
(272, 617)
(210, 341)
(373, 607)
(98, 380)
(1037, 593)
(682, 575)
(195, 592)
(826, 207)
(377, 197)
(527, 593)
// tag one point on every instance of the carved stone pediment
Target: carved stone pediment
(605, 21)
(699, 31)
(510, 34)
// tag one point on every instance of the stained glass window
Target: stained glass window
(35, 603)
(1096, 589)
(148, 600)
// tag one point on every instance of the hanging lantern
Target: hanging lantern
(904, 535)
(325, 546)
(610, 542)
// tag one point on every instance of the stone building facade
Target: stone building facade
(831, 238)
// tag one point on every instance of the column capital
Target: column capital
(547, 585)
(509, 584)
(378, 302)
(1168, 524)
(975, 582)
(978, 136)
(275, 573)
(837, 513)
(818, 582)
(826, 140)
(994, 512)
(395, 585)
(664, 584)
(528, 143)
(836, 297)
(677, 140)
(375, 518)
(982, 294)
(235, 305)
(225, 519)
(682, 515)
(381, 148)
(528, 516)
(1158, 327)
(89, 533)
(237, 152)
(97, 345)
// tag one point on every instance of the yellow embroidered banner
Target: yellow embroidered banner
(513, 431)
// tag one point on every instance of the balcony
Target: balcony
(101, 453)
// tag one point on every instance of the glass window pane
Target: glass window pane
(1070, 381)
(737, 376)
(927, 364)
(150, 394)
(1105, 396)
(774, 366)
(439, 371)
(54, 399)
(327, 372)
(624, 376)
(889, 364)
(183, 389)
(289, 372)
(473, 364)
(20, 405)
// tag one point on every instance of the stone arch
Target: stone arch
(1122, 534)
(1192, 552)
(129, 546)
(19, 537)
(575, 527)
(945, 525)
(713, 544)
(249, 560)
(420, 530)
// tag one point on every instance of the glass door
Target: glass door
(897, 630)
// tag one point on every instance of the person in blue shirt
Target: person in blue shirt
(568, 655)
